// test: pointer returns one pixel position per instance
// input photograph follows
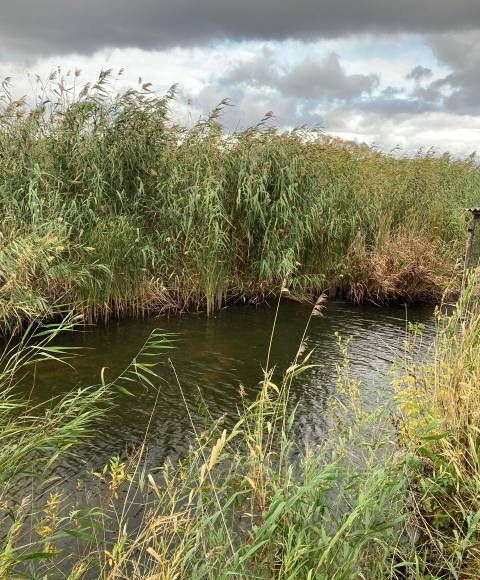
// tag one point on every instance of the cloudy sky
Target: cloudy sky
(390, 72)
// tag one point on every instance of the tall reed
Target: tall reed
(388, 493)
(439, 419)
(34, 435)
(108, 205)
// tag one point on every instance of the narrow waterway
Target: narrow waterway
(213, 357)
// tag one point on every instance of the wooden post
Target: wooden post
(471, 236)
(475, 215)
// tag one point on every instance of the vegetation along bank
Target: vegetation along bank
(109, 206)
(370, 500)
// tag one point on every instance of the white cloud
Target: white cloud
(444, 132)
(362, 93)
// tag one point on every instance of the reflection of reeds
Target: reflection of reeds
(319, 305)
(108, 205)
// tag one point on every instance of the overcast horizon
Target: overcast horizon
(387, 72)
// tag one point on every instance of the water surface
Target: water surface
(213, 357)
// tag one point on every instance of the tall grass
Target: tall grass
(373, 499)
(439, 406)
(243, 502)
(35, 435)
(110, 206)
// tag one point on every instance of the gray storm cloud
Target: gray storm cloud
(310, 89)
(311, 78)
(419, 72)
(458, 91)
(59, 26)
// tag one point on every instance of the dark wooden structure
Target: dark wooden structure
(471, 257)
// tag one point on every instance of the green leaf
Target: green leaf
(35, 555)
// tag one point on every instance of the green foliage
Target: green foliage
(367, 501)
(106, 204)
(34, 435)
(109, 207)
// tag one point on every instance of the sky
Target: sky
(398, 74)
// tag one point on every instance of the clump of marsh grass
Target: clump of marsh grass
(109, 204)
(405, 266)
(34, 435)
(250, 501)
(439, 413)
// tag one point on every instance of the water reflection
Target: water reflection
(214, 356)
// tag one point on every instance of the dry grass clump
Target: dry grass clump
(405, 267)
(439, 411)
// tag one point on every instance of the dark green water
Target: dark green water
(213, 357)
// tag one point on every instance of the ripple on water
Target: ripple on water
(213, 357)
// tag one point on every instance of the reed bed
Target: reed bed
(109, 206)
(389, 493)
(438, 408)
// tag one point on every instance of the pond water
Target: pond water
(213, 357)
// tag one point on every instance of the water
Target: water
(213, 357)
